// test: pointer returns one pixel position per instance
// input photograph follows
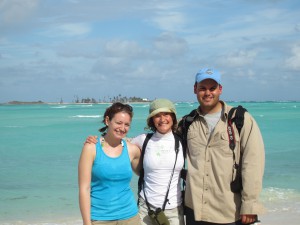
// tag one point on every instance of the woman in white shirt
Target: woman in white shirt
(162, 168)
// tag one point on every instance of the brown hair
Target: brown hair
(114, 109)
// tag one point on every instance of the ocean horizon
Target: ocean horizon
(41, 145)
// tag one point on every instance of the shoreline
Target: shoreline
(129, 102)
(269, 218)
(66, 103)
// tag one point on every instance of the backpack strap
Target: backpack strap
(183, 172)
(141, 177)
(185, 123)
(177, 141)
(176, 152)
(239, 117)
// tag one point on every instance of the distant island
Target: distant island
(118, 98)
(24, 103)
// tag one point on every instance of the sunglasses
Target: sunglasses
(121, 106)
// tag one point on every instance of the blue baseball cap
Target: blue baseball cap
(208, 73)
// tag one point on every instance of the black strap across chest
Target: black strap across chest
(141, 178)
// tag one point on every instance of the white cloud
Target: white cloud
(170, 21)
(15, 11)
(238, 58)
(123, 48)
(67, 30)
(171, 46)
(155, 42)
(293, 62)
(169, 15)
(297, 27)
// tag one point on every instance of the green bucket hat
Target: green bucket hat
(161, 105)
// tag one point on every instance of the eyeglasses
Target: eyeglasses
(122, 106)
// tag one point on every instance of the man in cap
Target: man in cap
(213, 166)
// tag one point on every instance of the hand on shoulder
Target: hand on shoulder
(91, 140)
(89, 147)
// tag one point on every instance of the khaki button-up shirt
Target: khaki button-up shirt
(210, 170)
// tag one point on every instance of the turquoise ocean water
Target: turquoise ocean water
(41, 144)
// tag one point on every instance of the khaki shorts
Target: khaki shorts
(131, 221)
(175, 216)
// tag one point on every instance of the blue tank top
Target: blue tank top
(111, 195)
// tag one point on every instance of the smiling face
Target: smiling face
(208, 94)
(119, 124)
(163, 122)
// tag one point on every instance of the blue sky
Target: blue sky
(64, 49)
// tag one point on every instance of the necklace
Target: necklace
(103, 141)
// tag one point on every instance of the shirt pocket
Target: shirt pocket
(223, 144)
(194, 144)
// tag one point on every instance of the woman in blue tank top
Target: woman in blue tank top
(105, 171)
(162, 166)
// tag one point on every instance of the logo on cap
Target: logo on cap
(209, 72)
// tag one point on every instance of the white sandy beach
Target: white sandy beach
(284, 218)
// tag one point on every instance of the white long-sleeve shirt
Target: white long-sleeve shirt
(159, 160)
